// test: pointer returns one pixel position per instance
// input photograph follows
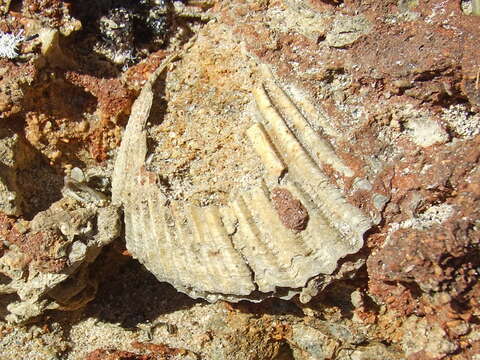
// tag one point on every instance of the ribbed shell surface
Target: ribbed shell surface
(242, 250)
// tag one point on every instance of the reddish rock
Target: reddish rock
(55, 13)
(431, 251)
(136, 76)
(102, 354)
(38, 247)
(155, 352)
(14, 80)
(292, 213)
(113, 98)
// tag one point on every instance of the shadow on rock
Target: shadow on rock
(132, 295)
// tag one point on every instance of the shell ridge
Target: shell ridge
(157, 238)
(320, 149)
(282, 238)
(153, 239)
(209, 269)
(300, 164)
(320, 234)
(135, 243)
(177, 251)
(208, 248)
(133, 148)
(268, 153)
(231, 259)
(248, 245)
(187, 239)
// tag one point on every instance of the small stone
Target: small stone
(357, 298)
(290, 210)
(346, 30)
(426, 132)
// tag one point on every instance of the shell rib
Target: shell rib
(245, 249)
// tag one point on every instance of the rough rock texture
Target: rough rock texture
(45, 261)
(14, 155)
(395, 89)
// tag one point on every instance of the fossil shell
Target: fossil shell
(267, 241)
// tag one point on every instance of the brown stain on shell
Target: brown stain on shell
(291, 211)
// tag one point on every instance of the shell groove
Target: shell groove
(243, 250)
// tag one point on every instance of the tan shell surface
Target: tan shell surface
(253, 246)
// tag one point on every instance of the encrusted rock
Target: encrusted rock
(14, 156)
(41, 257)
(346, 30)
(427, 341)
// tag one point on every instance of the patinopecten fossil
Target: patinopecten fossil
(272, 238)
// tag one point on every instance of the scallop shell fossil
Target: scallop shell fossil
(270, 240)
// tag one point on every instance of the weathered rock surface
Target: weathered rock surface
(14, 156)
(45, 261)
(392, 87)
